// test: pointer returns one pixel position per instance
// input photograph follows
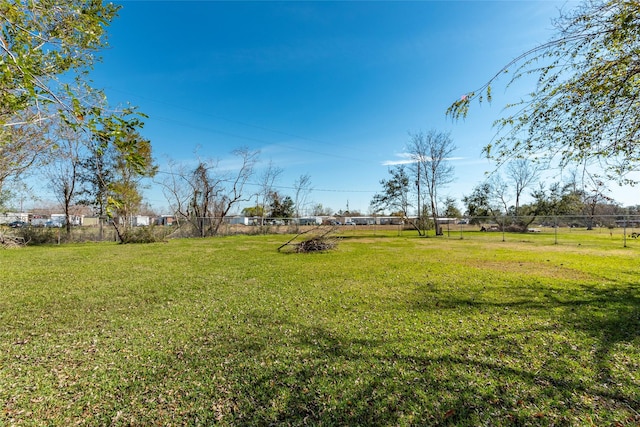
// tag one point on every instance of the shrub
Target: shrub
(40, 235)
(144, 234)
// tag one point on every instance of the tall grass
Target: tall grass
(385, 330)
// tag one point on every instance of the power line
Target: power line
(281, 187)
(249, 125)
(248, 138)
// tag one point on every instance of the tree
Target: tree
(499, 193)
(279, 206)
(45, 45)
(267, 181)
(451, 209)
(178, 189)
(96, 171)
(234, 188)
(22, 147)
(480, 203)
(508, 190)
(119, 157)
(126, 188)
(395, 194)
(431, 151)
(592, 190)
(558, 199)
(502, 194)
(585, 106)
(204, 196)
(521, 174)
(318, 210)
(594, 194)
(47, 49)
(64, 170)
(5, 196)
(254, 211)
(302, 188)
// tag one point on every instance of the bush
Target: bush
(40, 236)
(144, 234)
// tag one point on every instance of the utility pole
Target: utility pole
(418, 185)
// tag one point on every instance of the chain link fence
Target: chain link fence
(561, 229)
(558, 229)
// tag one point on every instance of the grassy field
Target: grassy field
(384, 330)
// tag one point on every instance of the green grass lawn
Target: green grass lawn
(384, 330)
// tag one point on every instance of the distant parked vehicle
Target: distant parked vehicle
(38, 222)
(349, 223)
(53, 224)
(17, 224)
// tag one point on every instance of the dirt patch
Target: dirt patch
(538, 269)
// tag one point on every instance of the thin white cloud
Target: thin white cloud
(397, 162)
(407, 159)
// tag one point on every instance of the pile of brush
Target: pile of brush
(322, 242)
(8, 242)
(316, 244)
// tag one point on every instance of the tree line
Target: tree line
(52, 119)
(582, 117)
(514, 196)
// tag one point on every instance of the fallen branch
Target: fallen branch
(9, 242)
(313, 244)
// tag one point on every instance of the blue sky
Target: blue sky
(328, 89)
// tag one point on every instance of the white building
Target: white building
(7, 217)
(140, 221)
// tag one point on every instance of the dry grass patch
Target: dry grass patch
(545, 270)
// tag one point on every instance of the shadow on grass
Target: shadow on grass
(317, 376)
(609, 318)
(613, 317)
(479, 378)
(271, 370)
(351, 388)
